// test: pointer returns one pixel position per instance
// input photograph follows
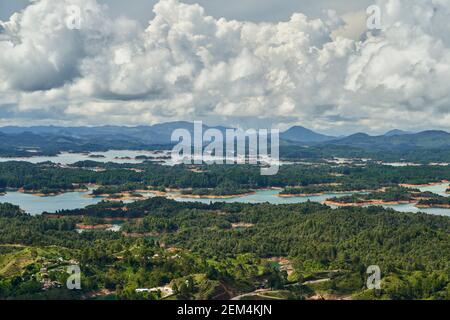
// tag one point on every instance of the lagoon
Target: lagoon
(271, 196)
(74, 200)
(35, 205)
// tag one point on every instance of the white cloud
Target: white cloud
(188, 65)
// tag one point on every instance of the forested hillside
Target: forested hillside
(230, 246)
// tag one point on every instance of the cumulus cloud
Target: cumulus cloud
(188, 65)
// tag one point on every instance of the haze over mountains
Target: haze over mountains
(156, 134)
(110, 137)
(397, 132)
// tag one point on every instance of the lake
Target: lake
(115, 156)
(75, 200)
(272, 197)
(121, 156)
(36, 205)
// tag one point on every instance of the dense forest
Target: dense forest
(393, 194)
(223, 249)
(436, 202)
(317, 153)
(230, 178)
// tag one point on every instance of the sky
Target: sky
(244, 10)
(247, 63)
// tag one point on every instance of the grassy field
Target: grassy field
(14, 259)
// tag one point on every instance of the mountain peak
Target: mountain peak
(396, 132)
(302, 134)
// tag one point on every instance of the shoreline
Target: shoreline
(81, 226)
(122, 196)
(431, 184)
(366, 203)
(191, 196)
(52, 194)
(431, 206)
(105, 219)
(302, 195)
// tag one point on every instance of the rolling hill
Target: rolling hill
(427, 139)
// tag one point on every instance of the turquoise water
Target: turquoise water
(74, 200)
(36, 205)
(412, 208)
(272, 197)
(438, 189)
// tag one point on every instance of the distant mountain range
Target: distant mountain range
(426, 139)
(158, 134)
(50, 139)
